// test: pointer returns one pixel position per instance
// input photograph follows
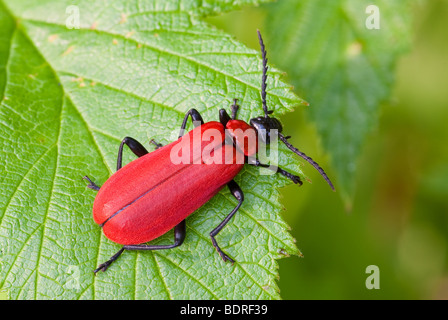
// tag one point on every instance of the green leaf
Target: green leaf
(342, 68)
(68, 97)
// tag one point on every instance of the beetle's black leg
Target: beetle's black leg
(238, 194)
(136, 147)
(223, 117)
(195, 117)
(92, 185)
(180, 231)
(158, 145)
(105, 265)
(293, 178)
(234, 108)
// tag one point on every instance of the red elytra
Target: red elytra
(149, 196)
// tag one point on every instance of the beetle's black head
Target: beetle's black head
(264, 125)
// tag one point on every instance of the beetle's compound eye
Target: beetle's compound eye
(264, 127)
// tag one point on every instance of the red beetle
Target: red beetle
(152, 194)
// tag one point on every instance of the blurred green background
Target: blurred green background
(399, 216)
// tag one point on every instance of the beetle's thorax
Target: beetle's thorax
(243, 136)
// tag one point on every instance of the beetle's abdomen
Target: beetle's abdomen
(150, 195)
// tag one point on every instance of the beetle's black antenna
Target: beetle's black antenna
(304, 156)
(263, 78)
